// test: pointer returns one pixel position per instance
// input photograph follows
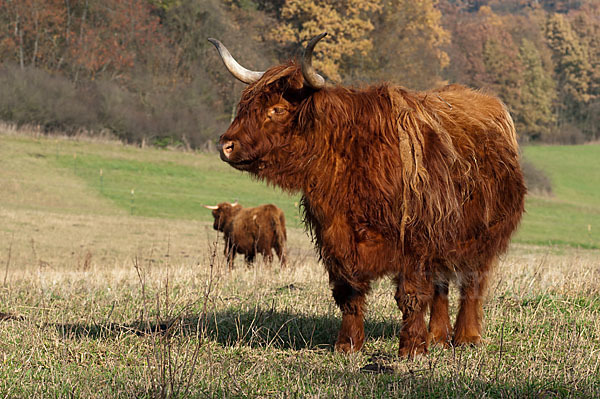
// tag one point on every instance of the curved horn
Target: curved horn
(235, 203)
(241, 73)
(312, 78)
(213, 207)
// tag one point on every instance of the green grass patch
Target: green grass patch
(156, 189)
(549, 221)
(175, 185)
(573, 170)
(571, 216)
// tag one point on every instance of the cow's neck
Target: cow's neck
(314, 168)
(300, 165)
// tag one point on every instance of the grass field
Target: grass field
(572, 215)
(165, 184)
(108, 295)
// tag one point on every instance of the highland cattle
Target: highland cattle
(249, 231)
(424, 187)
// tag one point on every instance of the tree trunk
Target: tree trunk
(19, 32)
(37, 38)
(85, 9)
(67, 35)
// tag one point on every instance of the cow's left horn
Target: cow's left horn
(241, 73)
(213, 207)
(312, 78)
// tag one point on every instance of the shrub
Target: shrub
(536, 180)
(185, 114)
(566, 134)
(35, 97)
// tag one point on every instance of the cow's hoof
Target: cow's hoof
(440, 335)
(410, 352)
(347, 346)
(411, 348)
(440, 339)
(470, 340)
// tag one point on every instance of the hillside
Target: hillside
(106, 177)
(571, 215)
(87, 177)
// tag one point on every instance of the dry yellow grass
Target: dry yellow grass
(267, 331)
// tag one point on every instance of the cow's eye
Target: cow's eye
(279, 110)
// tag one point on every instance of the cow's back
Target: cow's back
(460, 170)
(259, 229)
(267, 221)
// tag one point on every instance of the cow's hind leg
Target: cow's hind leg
(249, 258)
(351, 302)
(413, 298)
(268, 256)
(280, 251)
(467, 329)
(440, 330)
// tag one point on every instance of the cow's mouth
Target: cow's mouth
(230, 153)
(244, 164)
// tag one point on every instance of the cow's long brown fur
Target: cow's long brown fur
(420, 186)
(249, 231)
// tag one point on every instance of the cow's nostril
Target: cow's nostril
(228, 148)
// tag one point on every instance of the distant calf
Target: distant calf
(249, 231)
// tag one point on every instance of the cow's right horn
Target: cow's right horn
(312, 78)
(241, 73)
(213, 207)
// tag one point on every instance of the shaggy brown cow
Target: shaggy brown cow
(420, 186)
(249, 231)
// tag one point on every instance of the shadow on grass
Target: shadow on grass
(10, 316)
(258, 327)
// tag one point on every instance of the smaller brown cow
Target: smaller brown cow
(249, 231)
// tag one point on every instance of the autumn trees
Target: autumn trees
(105, 65)
(537, 60)
(348, 23)
(410, 44)
(143, 69)
(80, 36)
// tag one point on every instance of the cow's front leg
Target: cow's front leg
(440, 330)
(352, 303)
(413, 299)
(229, 253)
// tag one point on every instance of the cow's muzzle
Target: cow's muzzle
(227, 149)
(230, 153)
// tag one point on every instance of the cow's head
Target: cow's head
(269, 110)
(223, 213)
